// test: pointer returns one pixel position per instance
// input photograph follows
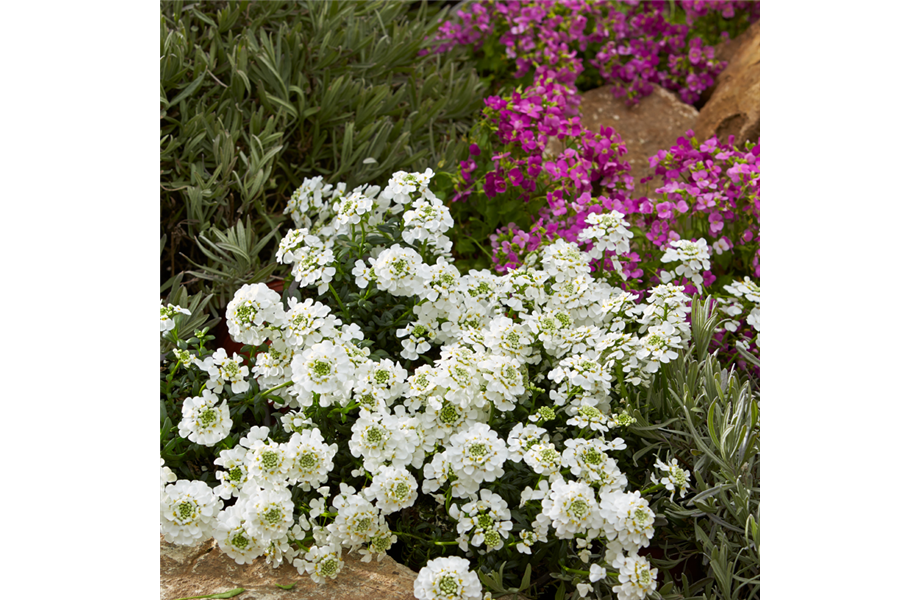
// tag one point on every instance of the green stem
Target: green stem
(652, 488)
(339, 300)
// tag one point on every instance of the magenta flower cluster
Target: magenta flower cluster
(519, 167)
(710, 190)
(639, 47)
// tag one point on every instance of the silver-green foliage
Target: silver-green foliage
(256, 96)
(709, 419)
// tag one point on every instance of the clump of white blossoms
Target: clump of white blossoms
(254, 308)
(203, 420)
(167, 322)
(456, 386)
(693, 258)
(223, 370)
(675, 478)
(447, 578)
(188, 512)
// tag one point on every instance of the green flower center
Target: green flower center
(484, 521)
(656, 342)
(374, 435)
(402, 490)
(513, 339)
(231, 368)
(449, 414)
(421, 380)
(270, 460)
(246, 313)
(273, 516)
(329, 567)
(400, 266)
(546, 413)
(593, 457)
(187, 511)
(207, 417)
(510, 373)
(367, 400)
(419, 331)
(478, 450)
(492, 538)
(448, 585)
(548, 455)
(679, 478)
(240, 541)
(579, 508)
(308, 461)
(641, 516)
(645, 577)
(564, 319)
(588, 365)
(381, 543)
(445, 280)
(589, 412)
(381, 376)
(482, 288)
(321, 368)
(236, 474)
(364, 524)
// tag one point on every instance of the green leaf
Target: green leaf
(286, 587)
(228, 594)
(188, 91)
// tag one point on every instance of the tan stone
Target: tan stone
(652, 125)
(203, 569)
(734, 107)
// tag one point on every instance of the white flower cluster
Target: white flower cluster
(546, 341)
(748, 294)
(167, 322)
(693, 258)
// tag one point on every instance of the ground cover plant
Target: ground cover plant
(507, 369)
(482, 414)
(629, 44)
(256, 95)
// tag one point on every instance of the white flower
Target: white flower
(269, 514)
(521, 438)
(544, 459)
(166, 474)
(379, 438)
(351, 209)
(564, 260)
(233, 539)
(504, 380)
(203, 422)
(627, 518)
(597, 573)
(400, 271)
(402, 185)
(675, 478)
(320, 562)
(222, 370)
(745, 289)
(476, 455)
(357, 521)
(167, 323)
(658, 346)
(572, 509)
(267, 463)
(325, 370)
(589, 462)
(188, 512)
(428, 221)
(637, 579)
(236, 474)
(608, 232)
(307, 323)
(447, 578)
(394, 488)
(310, 458)
(313, 263)
(254, 308)
(487, 520)
(693, 258)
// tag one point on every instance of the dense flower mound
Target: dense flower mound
(506, 398)
(631, 44)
